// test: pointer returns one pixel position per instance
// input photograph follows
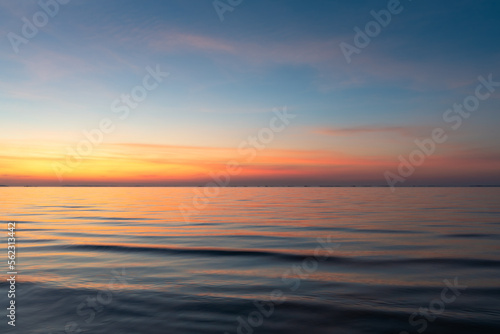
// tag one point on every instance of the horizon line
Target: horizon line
(249, 186)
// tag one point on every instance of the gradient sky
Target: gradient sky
(352, 121)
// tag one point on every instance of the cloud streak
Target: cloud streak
(360, 130)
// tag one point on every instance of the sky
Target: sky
(284, 92)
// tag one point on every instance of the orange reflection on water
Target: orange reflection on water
(59, 229)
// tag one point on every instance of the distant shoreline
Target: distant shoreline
(257, 186)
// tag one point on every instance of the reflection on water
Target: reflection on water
(338, 260)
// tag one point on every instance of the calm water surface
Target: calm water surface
(254, 260)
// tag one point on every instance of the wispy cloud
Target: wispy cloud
(400, 130)
(172, 41)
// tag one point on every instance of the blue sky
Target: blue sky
(226, 77)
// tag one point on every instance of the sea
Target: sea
(189, 260)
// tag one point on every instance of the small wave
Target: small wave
(289, 256)
(485, 236)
